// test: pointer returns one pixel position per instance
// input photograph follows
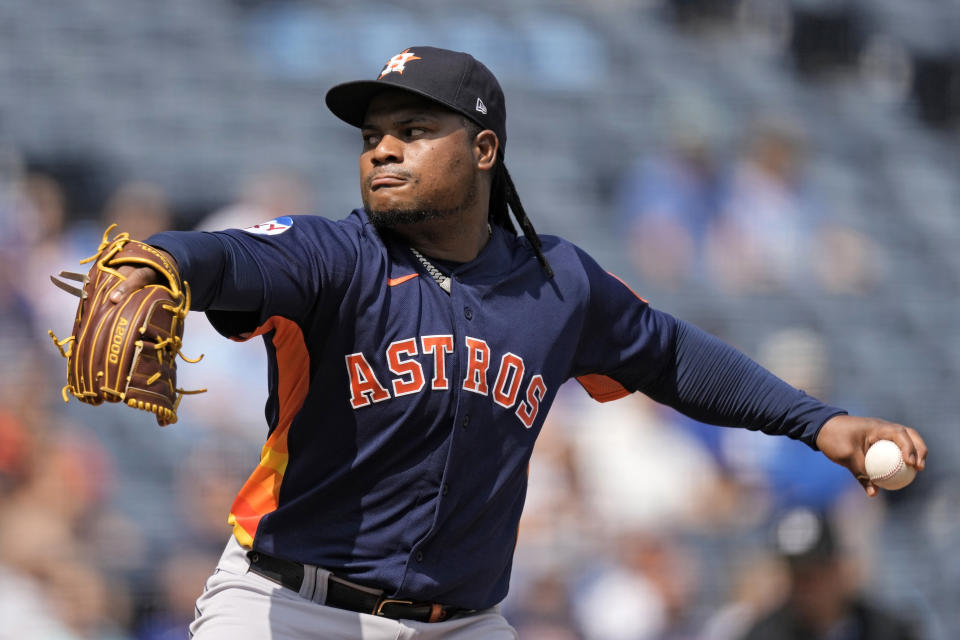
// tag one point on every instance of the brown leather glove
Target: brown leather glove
(125, 351)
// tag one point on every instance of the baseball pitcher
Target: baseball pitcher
(415, 347)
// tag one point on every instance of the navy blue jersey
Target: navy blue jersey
(402, 418)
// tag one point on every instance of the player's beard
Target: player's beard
(384, 219)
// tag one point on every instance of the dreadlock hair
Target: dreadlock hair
(504, 198)
(503, 195)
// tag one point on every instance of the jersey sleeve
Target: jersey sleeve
(679, 365)
(625, 344)
(242, 278)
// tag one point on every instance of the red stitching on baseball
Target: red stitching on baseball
(893, 472)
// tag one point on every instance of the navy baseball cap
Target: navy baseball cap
(454, 79)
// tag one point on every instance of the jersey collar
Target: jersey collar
(495, 259)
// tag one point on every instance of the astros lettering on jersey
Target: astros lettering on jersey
(365, 388)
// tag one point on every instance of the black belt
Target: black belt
(345, 595)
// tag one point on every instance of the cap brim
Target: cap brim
(349, 101)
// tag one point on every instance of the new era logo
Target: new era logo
(482, 108)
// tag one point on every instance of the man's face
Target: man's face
(417, 162)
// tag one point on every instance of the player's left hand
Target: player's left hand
(845, 440)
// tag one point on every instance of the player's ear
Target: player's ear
(485, 149)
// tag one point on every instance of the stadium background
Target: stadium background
(780, 172)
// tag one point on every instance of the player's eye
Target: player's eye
(415, 132)
(371, 139)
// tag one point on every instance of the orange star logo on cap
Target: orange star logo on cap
(397, 62)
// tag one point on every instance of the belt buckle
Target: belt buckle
(379, 610)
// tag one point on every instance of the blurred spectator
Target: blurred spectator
(824, 600)
(68, 479)
(41, 559)
(595, 524)
(15, 445)
(55, 494)
(775, 231)
(763, 237)
(640, 610)
(846, 262)
(26, 612)
(554, 511)
(206, 483)
(643, 593)
(555, 534)
(179, 582)
(262, 197)
(758, 582)
(668, 202)
(87, 604)
(47, 203)
(138, 208)
(636, 503)
(16, 215)
(627, 481)
(544, 610)
(21, 225)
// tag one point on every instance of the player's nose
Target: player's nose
(389, 149)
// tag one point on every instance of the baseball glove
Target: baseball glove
(126, 351)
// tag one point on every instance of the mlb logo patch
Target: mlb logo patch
(271, 227)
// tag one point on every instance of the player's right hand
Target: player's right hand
(137, 278)
(845, 440)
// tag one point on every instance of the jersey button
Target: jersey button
(445, 489)
(468, 313)
(466, 421)
(418, 556)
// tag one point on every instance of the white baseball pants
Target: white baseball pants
(237, 604)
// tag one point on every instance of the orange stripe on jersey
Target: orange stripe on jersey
(392, 282)
(260, 494)
(602, 388)
(629, 288)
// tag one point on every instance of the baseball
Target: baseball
(886, 467)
